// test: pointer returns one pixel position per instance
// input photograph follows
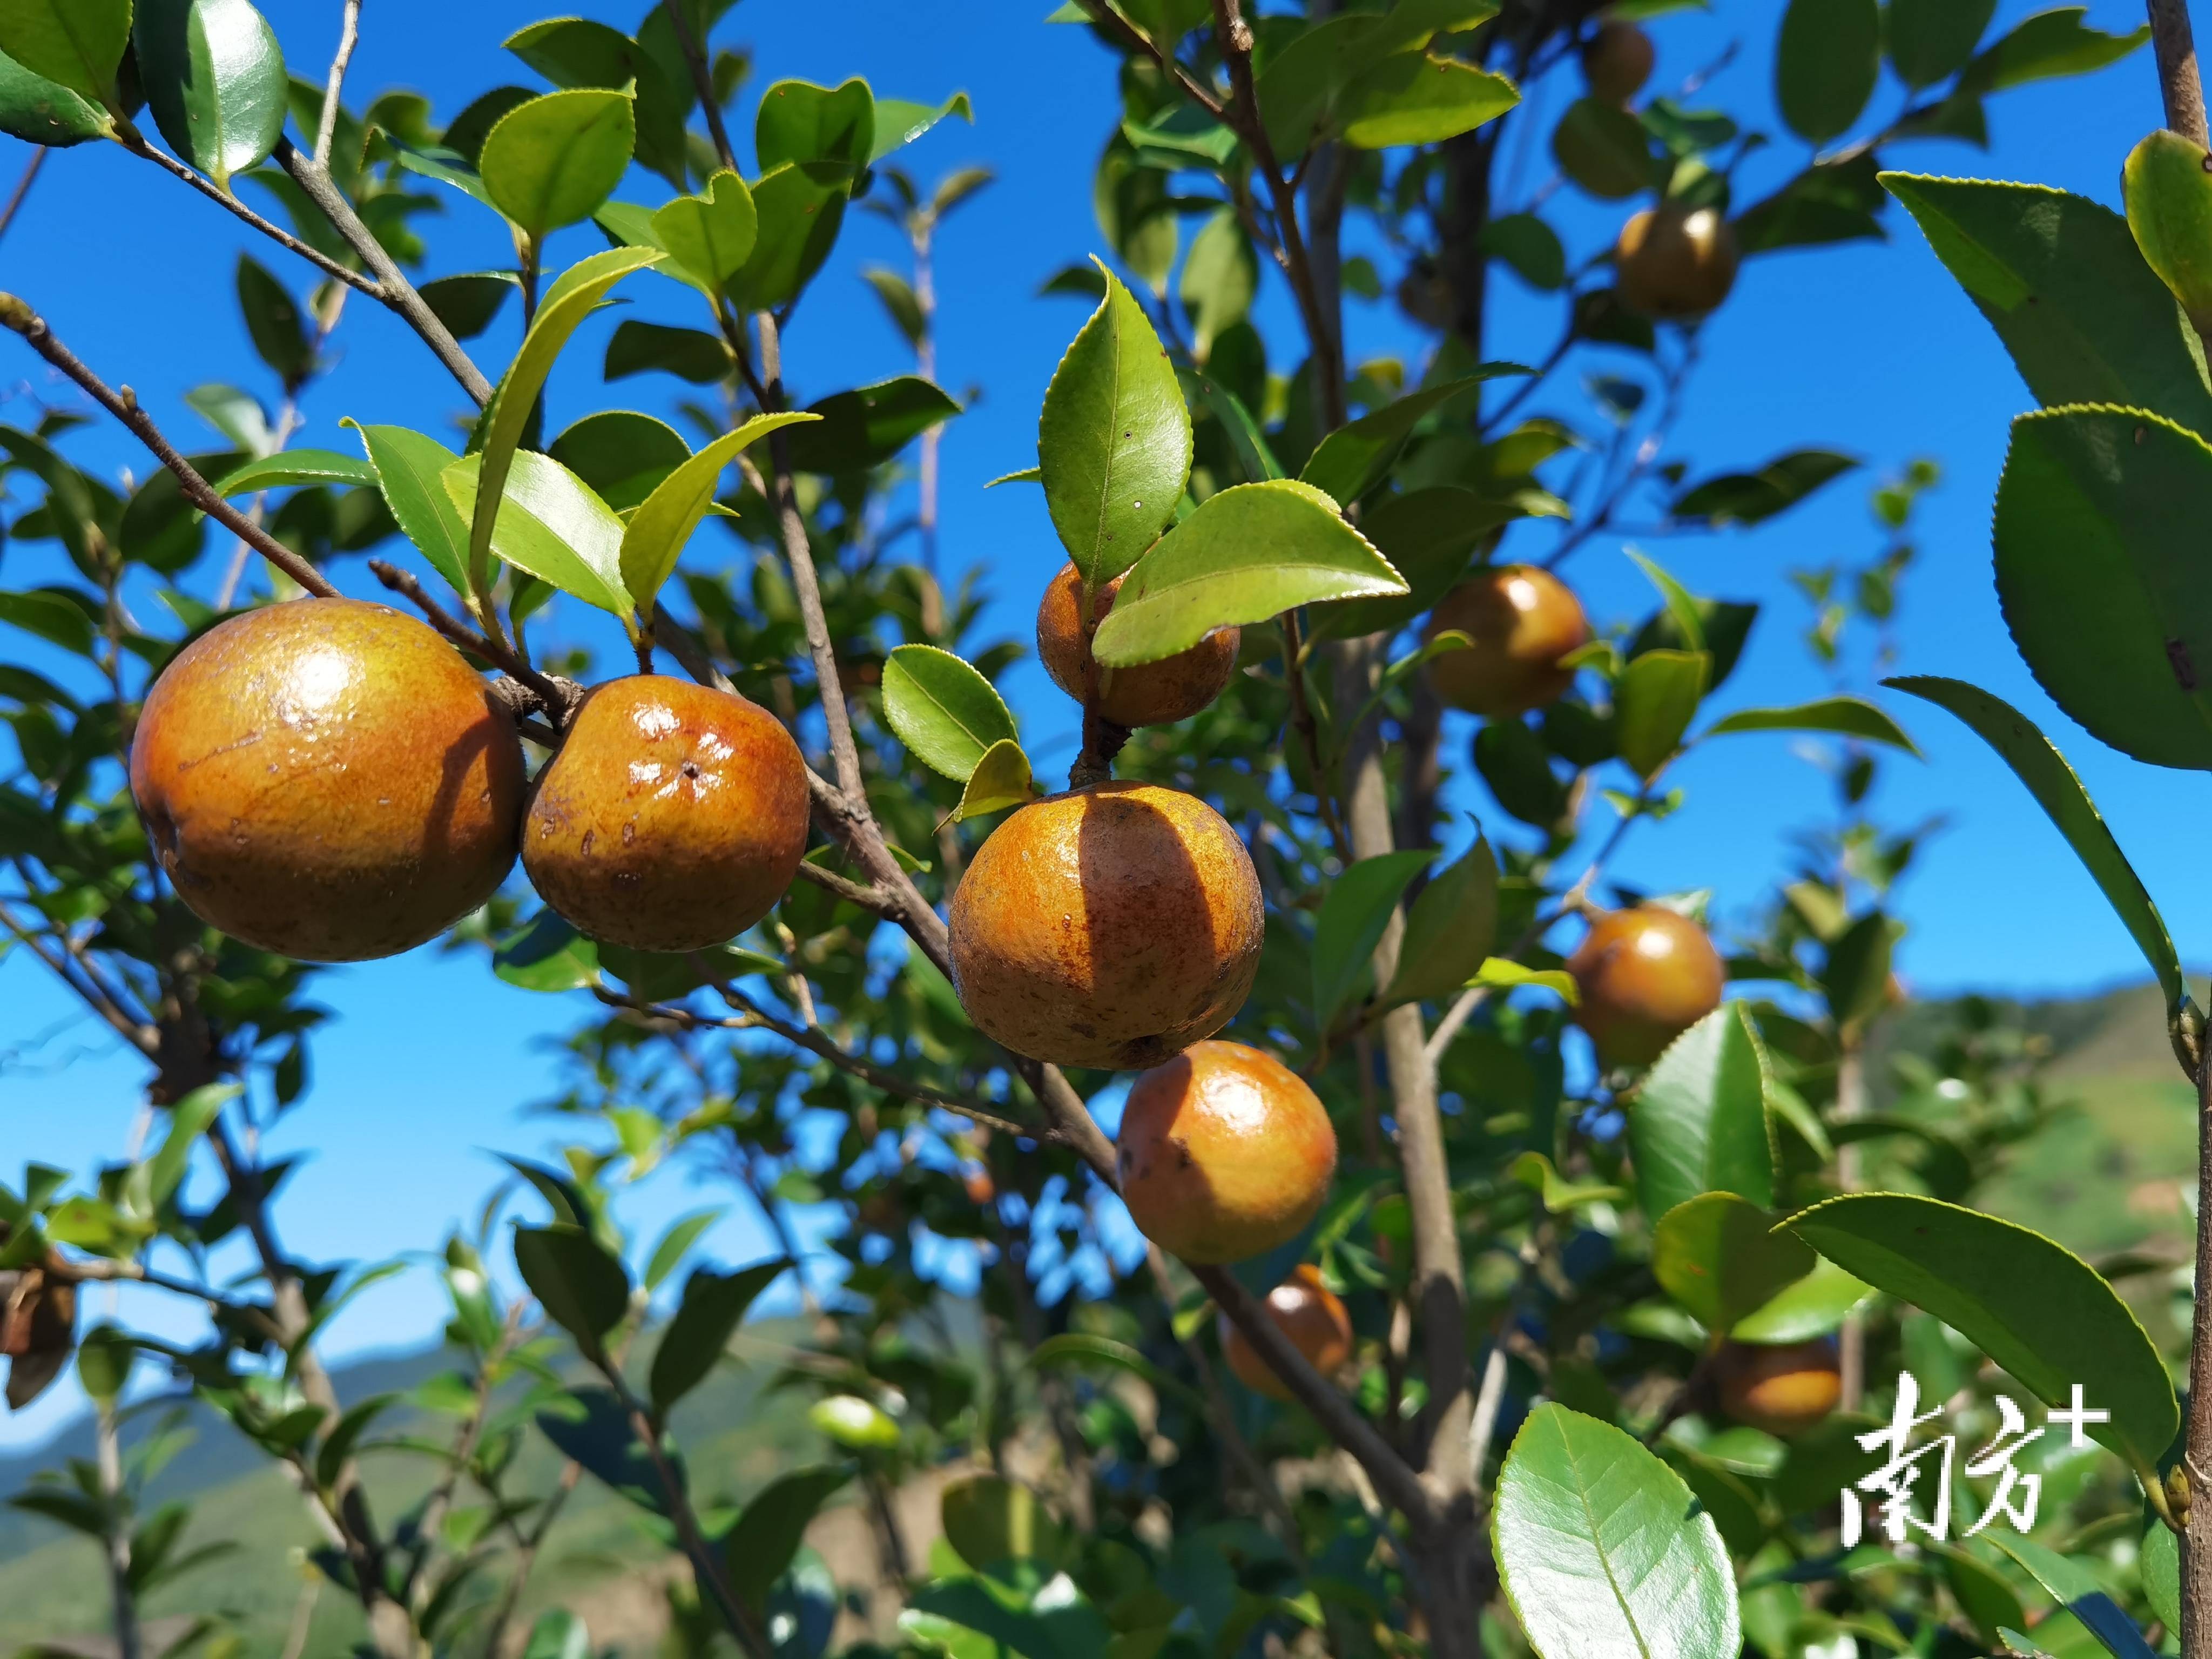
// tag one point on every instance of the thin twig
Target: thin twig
(348, 36)
(22, 188)
(18, 316)
(133, 1273)
(222, 198)
(852, 892)
(557, 700)
(695, 57)
(1194, 89)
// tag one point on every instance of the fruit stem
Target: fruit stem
(1101, 741)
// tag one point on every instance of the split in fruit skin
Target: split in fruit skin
(1313, 1318)
(673, 818)
(1644, 976)
(1148, 694)
(1225, 1154)
(327, 779)
(1520, 621)
(1110, 926)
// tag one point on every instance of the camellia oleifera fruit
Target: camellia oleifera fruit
(1617, 61)
(674, 817)
(327, 778)
(1675, 262)
(1521, 620)
(1111, 926)
(1644, 976)
(1225, 1154)
(1307, 1312)
(1784, 1388)
(1148, 694)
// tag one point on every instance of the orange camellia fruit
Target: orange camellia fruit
(1675, 262)
(1521, 620)
(1617, 61)
(1225, 1154)
(1307, 1311)
(328, 778)
(1111, 926)
(1644, 976)
(673, 819)
(1148, 694)
(1784, 1389)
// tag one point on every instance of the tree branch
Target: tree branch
(1194, 89)
(2178, 81)
(22, 189)
(16, 315)
(348, 36)
(557, 698)
(395, 290)
(695, 57)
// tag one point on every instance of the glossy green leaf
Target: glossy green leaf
(675, 1244)
(1450, 929)
(621, 454)
(799, 121)
(411, 470)
(709, 236)
(1849, 717)
(553, 160)
(40, 111)
(53, 617)
(1805, 1308)
(2077, 1589)
(1654, 701)
(1413, 98)
(2034, 1308)
(75, 44)
(1698, 1122)
(942, 709)
(1560, 1196)
(1001, 779)
(868, 426)
(855, 1424)
(1603, 1550)
(1505, 974)
(448, 166)
(800, 207)
(2101, 578)
(637, 347)
(1604, 148)
(990, 1522)
(899, 301)
(296, 466)
(547, 956)
(582, 1289)
(574, 294)
(1931, 39)
(1355, 910)
(1722, 1257)
(1358, 456)
(1180, 136)
(274, 324)
(1428, 536)
(2037, 763)
(2062, 282)
(214, 80)
(1248, 553)
(1826, 64)
(574, 52)
(1749, 498)
(654, 539)
(2169, 200)
(1855, 977)
(714, 1306)
(900, 121)
(1531, 248)
(1079, 1347)
(1219, 279)
(1113, 439)
(2046, 45)
(552, 524)
(760, 1547)
(2161, 1574)
(1304, 89)
(470, 303)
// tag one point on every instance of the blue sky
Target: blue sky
(1869, 349)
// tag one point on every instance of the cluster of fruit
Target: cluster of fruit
(328, 779)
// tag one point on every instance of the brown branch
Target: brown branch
(394, 290)
(558, 698)
(1194, 89)
(132, 1273)
(22, 188)
(2178, 80)
(348, 37)
(703, 79)
(868, 898)
(18, 316)
(2196, 1459)
(222, 198)
(87, 987)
